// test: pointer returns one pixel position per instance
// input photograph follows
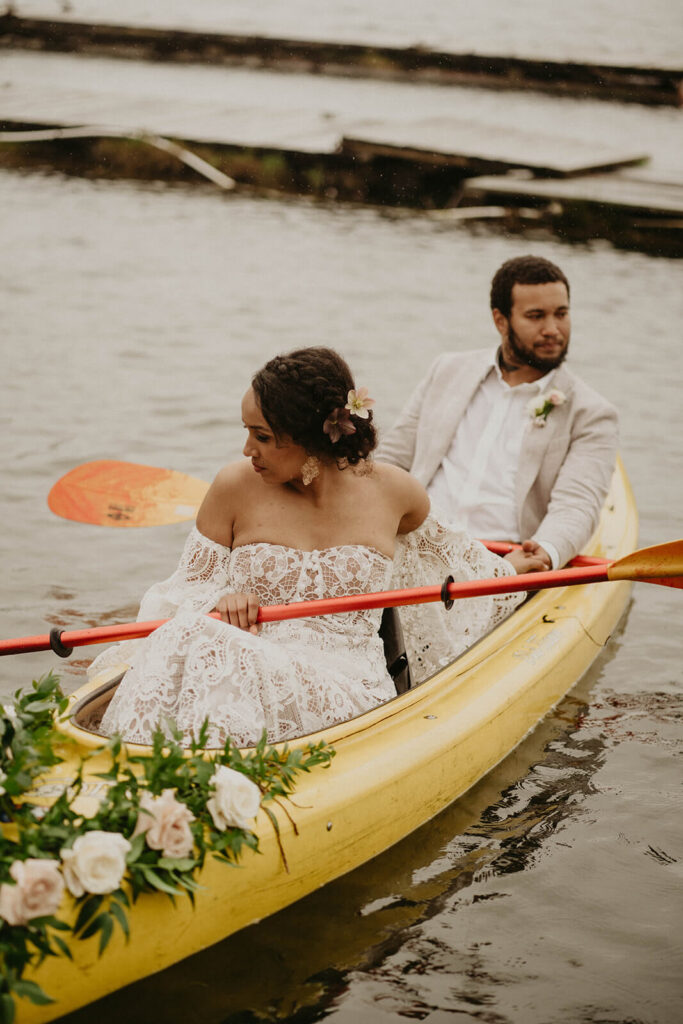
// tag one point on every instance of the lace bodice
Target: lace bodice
(282, 575)
(298, 675)
(295, 676)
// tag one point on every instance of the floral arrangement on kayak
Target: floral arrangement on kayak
(160, 816)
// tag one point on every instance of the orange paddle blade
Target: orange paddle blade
(110, 493)
(657, 561)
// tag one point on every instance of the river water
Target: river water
(133, 317)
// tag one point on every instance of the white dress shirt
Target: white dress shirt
(475, 484)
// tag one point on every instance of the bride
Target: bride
(306, 515)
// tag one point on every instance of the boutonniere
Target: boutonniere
(541, 407)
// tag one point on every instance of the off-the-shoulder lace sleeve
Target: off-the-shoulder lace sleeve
(434, 636)
(203, 574)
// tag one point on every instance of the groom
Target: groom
(509, 442)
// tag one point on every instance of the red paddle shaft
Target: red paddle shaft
(62, 642)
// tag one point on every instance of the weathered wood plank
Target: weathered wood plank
(451, 142)
(605, 81)
(617, 191)
(64, 107)
(250, 112)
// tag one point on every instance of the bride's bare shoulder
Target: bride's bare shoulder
(216, 517)
(233, 474)
(396, 479)
(405, 491)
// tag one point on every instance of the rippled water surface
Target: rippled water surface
(133, 316)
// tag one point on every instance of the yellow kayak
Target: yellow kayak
(395, 768)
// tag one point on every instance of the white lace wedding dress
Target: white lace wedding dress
(295, 676)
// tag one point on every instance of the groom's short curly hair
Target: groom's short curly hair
(522, 270)
(298, 391)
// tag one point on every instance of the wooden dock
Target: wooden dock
(450, 142)
(632, 209)
(245, 110)
(634, 83)
(623, 192)
(344, 141)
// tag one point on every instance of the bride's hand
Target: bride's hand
(239, 610)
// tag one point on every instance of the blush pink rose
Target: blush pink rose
(236, 799)
(38, 891)
(95, 863)
(166, 824)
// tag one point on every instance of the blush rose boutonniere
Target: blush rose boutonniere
(540, 408)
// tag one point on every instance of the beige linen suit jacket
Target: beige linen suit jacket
(565, 468)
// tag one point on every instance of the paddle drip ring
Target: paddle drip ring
(56, 643)
(447, 601)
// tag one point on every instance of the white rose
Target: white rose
(38, 891)
(557, 397)
(166, 824)
(236, 800)
(95, 863)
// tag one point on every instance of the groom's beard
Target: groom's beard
(521, 355)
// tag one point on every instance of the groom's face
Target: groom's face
(537, 331)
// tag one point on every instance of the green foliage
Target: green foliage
(33, 827)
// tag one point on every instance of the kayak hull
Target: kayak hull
(395, 768)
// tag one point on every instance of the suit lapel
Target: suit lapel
(537, 439)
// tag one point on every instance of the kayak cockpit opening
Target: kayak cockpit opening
(87, 713)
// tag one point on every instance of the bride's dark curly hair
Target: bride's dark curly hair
(297, 392)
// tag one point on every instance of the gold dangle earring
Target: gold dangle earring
(310, 470)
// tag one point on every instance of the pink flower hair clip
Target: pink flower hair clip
(338, 423)
(359, 403)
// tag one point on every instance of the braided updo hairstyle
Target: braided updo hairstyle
(298, 391)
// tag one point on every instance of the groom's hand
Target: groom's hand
(531, 557)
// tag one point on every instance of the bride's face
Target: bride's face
(276, 461)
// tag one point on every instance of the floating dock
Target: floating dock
(627, 84)
(399, 144)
